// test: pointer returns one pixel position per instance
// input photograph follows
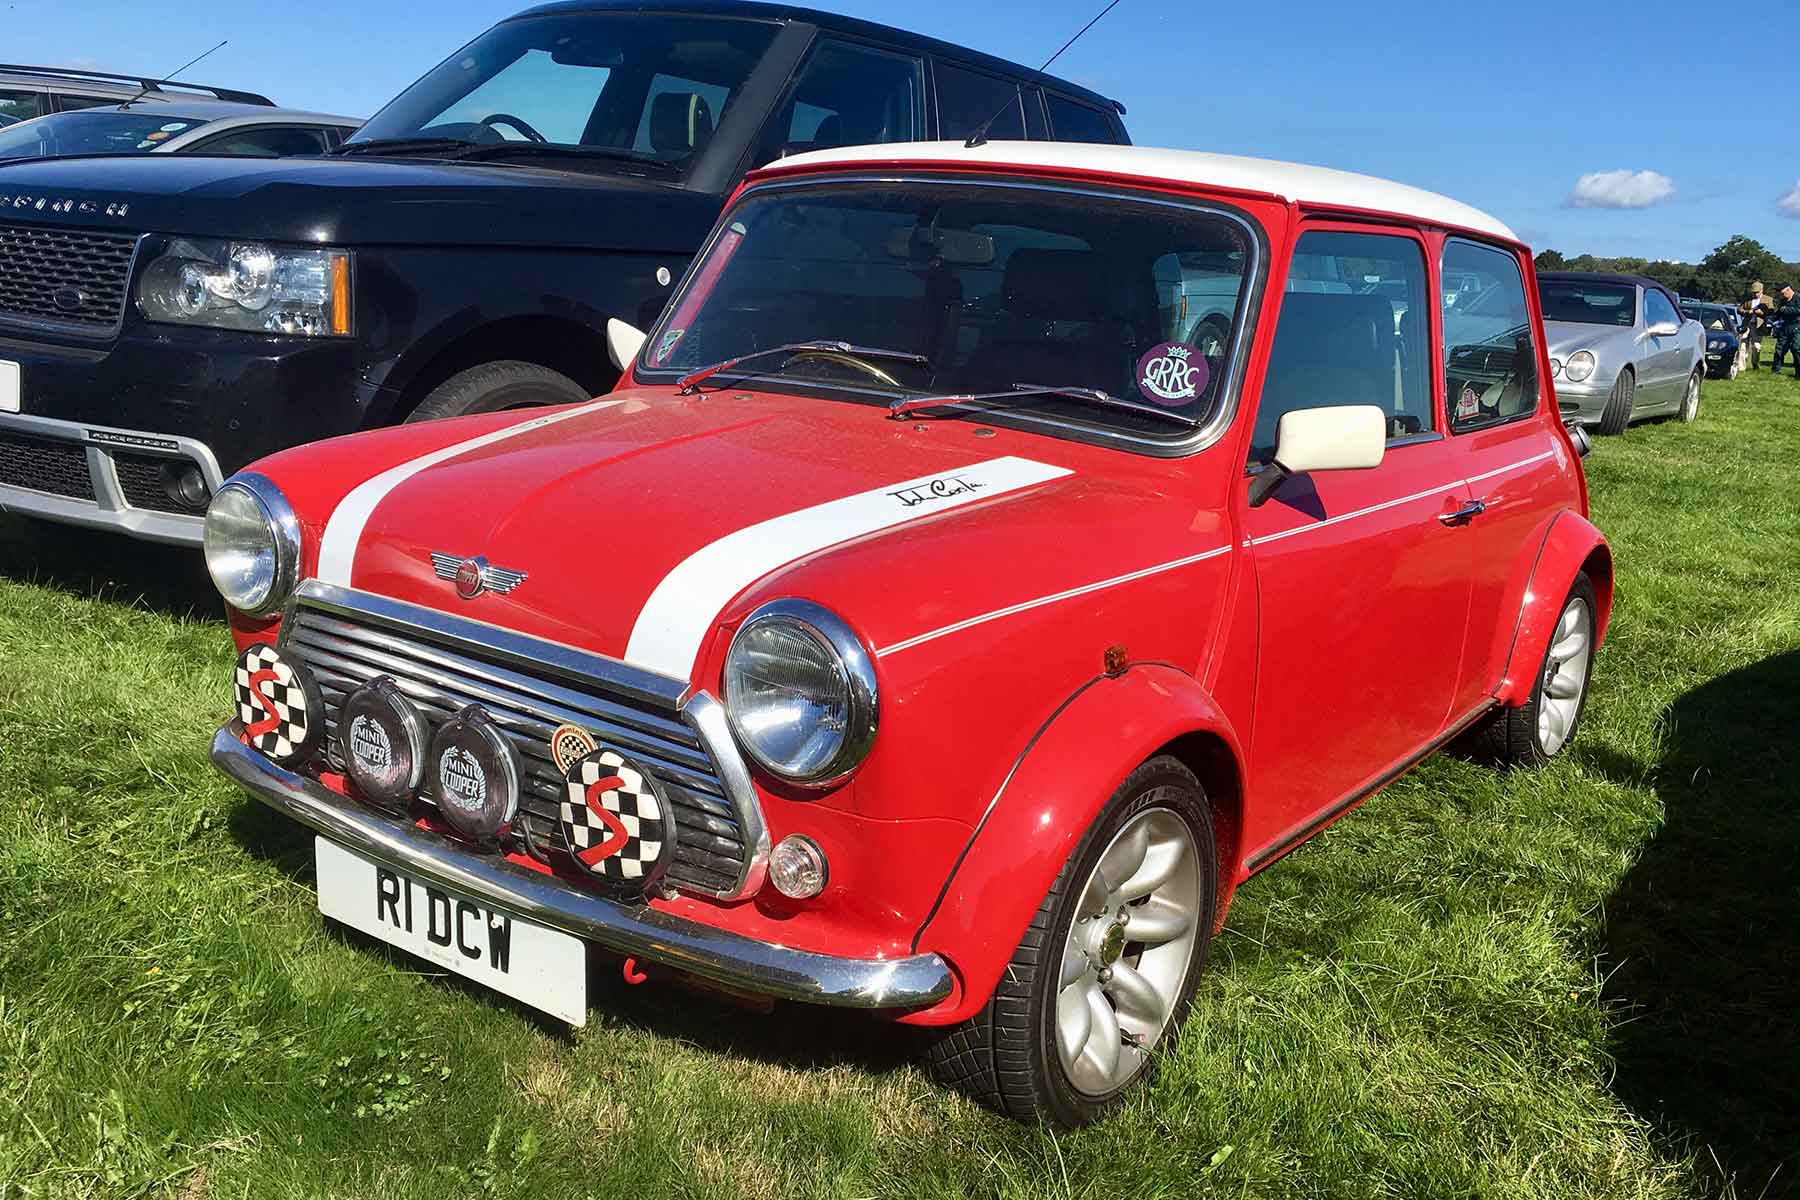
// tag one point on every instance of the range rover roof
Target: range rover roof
(833, 21)
(1319, 187)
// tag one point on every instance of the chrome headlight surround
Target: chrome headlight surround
(832, 718)
(1579, 366)
(250, 521)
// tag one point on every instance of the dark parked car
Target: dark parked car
(196, 126)
(164, 319)
(1726, 351)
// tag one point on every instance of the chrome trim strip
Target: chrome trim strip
(725, 958)
(1208, 431)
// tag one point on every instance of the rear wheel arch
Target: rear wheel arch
(568, 347)
(1571, 545)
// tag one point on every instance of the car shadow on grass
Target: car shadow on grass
(92, 564)
(799, 1036)
(1702, 936)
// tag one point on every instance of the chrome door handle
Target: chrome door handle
(1465, 514)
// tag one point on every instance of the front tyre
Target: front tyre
(1617, 414)
(496, 386)
(1108, 967)
(1690, 399)
(1536, 731)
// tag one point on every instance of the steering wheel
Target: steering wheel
(518, 123)
(848, 360)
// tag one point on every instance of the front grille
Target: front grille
(86, 271)
(141, 479)
(45, 465)
(442, 678)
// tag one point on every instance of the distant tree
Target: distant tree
(1744, 259)
(1551, 260)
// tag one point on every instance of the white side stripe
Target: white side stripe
(922, 638)
(1523, 462)
(343, 532)
(682, 609)
(1351, 516)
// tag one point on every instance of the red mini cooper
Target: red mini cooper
(991, 559)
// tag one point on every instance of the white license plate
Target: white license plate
(9, 386)
(545, 968)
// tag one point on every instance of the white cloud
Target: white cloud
(1621, 189)
(1789, 205)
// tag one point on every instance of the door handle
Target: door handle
(1465, 514)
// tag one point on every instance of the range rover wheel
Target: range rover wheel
(1535, 732)
(494, 386)
(1108, 967)
(1617, 414)
(1690, 399)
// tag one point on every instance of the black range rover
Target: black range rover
(165, 320)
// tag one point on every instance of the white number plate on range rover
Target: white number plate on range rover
(9, 386)
(545, 968)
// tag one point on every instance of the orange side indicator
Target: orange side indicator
(340, 294)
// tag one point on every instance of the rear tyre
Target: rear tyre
(1617, 414)
(1108, 967)
(1536, 731)
(1690, 398)
(496, 386)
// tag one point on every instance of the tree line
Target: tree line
(1725, 275)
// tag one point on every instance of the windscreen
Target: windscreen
(997, 288)
(93, 131)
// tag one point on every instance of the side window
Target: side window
(966, 99)
(679, 116)
(1658, 309)
(17, 106)
(1072, 122)
(1352, 331)
(275, 141)
(849, 95)
(68, 103)
(1490, 359)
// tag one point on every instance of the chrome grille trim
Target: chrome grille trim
(529, 685)
(35, 260)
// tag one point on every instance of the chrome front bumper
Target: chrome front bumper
(105, 502)
(728, 959)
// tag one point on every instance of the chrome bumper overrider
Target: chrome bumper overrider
(728, 959)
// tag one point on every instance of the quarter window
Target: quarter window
(850, 95)
(1072, 122)
(1352, 331)
(1490, 358)
(966, 99)
(18, 106)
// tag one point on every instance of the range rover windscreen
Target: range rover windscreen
(1003, 301)
(624, 88)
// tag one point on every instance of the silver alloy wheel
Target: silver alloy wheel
(1690, 399)
(1127, 954)
(1565, 676)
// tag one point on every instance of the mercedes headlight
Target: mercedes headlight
(800, 692)
(252, 544)
(1579, 366)
(248, 285)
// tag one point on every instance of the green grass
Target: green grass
(1577, 983)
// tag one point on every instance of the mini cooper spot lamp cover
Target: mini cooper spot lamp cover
(278, 704)
(382, 739)
(616, 821)
(474, 774)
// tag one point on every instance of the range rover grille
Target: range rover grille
(343, 654)
(73, 277)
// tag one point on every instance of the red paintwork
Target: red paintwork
(1297, 673)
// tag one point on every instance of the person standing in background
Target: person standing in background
(1787, 329)
(1756, 312)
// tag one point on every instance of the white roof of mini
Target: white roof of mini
(1319, 186)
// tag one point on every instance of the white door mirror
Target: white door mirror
(1344, 437)
(623, 342)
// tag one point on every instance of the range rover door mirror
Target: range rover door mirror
(623, 342)
(1664, 329)
(1345, 437)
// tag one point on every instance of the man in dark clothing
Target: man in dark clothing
(1787, 329)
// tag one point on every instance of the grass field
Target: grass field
(1580, 983)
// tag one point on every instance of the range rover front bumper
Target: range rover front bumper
(728, 959)
(104, 477)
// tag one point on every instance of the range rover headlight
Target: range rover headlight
(800, 692)
(1579, 366)
(252, 544)
(248, 285)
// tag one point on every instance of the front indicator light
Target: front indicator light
(340, 294)
(797, 867)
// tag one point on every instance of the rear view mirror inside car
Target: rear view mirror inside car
(957, 246)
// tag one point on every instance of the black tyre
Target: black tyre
(1690, 398)
(1618, 404)
(1128, 953)
(1536, 732)
(494, 386)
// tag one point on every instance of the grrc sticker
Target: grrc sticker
(1172, 374)
(1468, 404)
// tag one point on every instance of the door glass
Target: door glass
(1072, 122)
(850, 95)
(1658, 309)
(1352, 331)
(275, 142)
(68, 103)
(966, 99)
(17, 106)
(1490, 356)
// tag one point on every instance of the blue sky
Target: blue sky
(1506, 108)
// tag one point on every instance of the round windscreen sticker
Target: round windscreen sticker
(1172, 374)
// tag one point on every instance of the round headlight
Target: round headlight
(800, 692)
(1579, 366)
(252, 544)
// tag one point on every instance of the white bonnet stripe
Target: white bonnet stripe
(682, 609)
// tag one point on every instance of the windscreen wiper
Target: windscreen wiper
(687, 383)
(482, 151)
(1028, 391)
(402, 145)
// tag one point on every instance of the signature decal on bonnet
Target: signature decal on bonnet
(937, 489)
